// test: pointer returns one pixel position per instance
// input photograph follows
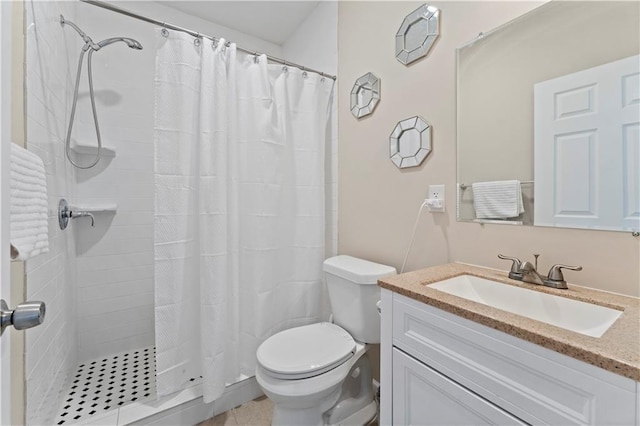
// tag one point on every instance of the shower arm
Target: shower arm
(88, 42)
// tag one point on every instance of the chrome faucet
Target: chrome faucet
(528, 272)
(75, 214)
(65, 213)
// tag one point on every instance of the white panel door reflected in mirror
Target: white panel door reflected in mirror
(497, 73)
(587, 148)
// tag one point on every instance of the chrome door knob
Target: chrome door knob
(25, 315)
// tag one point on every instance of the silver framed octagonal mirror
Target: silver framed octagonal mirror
(365, 95)
(418, 32)
(410, 142)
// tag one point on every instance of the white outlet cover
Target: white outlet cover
(436, 192)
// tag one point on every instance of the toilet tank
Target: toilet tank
(353, 294)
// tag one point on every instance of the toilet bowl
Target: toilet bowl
(320, 374)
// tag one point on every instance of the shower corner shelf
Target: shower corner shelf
(95, 208)
(93, 150)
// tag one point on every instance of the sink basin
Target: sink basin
(581, 317)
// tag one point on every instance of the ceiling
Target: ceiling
(273, 21)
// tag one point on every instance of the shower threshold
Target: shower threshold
(100, 388)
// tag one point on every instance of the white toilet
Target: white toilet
(320, 374)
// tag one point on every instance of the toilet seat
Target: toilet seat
(307, 351)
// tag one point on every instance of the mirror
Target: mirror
(365, 95)
(500, 114)
(410, 142)
(417, 33)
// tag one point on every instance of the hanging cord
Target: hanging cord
(413, 235)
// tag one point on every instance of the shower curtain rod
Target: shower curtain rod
(169, 26)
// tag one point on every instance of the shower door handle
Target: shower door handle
(25, 315)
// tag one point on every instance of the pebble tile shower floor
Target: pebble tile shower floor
(107, 383)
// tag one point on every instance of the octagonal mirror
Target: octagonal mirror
(418, 32)
(410, 142)
(365, 95)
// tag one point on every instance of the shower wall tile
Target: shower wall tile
(50, 348)
(108, 335)
(124, 317)
(105, 264)
(89, 279)
(115, 258)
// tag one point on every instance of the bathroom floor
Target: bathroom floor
(255, 413)
(103, 384)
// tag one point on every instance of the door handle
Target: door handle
(25, 315)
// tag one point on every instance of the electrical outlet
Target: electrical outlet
(436, 193)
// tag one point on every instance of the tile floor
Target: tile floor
(105, 384)
(254, 413)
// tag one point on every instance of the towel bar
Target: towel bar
(465, 186)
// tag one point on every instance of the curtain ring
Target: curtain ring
(196, 42)
(285, 68)
(214, 43)
(228, 44)
(164, 32)
(256, 58)
(321, 77)
(304, 72)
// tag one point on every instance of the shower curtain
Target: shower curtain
(239, 208)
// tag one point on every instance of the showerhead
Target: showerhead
(133, 44)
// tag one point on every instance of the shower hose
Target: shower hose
(93, 108)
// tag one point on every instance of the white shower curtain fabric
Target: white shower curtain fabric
(239, 208)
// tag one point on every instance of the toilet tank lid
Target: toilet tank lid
(357, 270)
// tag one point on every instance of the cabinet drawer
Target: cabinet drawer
(422, 396)
(533, 383)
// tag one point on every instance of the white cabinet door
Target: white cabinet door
(422, 396)
(587, 148)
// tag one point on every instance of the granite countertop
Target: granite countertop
(617, 350)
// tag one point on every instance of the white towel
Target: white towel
(498, 199)
(29, 229)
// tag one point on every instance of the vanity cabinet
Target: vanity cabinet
(441, 369)
(423, 396)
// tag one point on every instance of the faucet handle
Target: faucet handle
(556, 277)
(515, 273)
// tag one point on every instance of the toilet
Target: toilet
(320, 374)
